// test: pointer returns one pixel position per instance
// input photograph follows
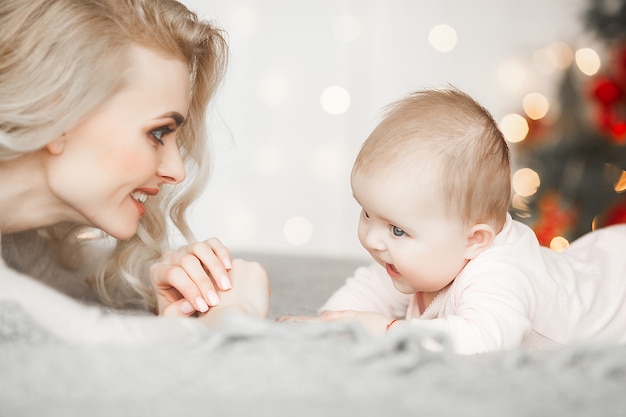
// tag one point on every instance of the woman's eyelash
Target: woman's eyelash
(159, 133)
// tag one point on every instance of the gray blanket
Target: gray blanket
(263, 368)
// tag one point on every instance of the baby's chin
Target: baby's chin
(403, 287)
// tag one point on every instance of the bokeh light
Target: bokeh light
(620, 185)
(525, 182)
(335, 100)
(514, 127)
(535, 105)
(298, 230)
(442, 38)
(347, 28)
(511, 75)
(521, 206)
(559, 243)
(588, 61)
(556, 56)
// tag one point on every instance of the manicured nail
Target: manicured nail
(213, 298)
(227, 263)
(202, 306)
(186, 307)
(225, 283)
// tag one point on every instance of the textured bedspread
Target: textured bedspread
(263, 368)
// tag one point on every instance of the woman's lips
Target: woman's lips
(139, 197)
(140, 207)
(392, 271)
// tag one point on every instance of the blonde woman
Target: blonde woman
(102, 138)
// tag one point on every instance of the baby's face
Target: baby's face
(405, 228)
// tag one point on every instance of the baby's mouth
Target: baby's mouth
(392, 271)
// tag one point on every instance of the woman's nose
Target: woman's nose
(171, 168)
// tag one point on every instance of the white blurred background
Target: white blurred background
(307, 80)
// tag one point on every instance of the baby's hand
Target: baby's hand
(295, 319)
(375, 324)
(188, 279)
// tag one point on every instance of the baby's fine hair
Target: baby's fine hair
(446, 130)
(61, 59)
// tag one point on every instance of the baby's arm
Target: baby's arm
(369, 289)
(367, 296)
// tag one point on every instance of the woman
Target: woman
(102, 129)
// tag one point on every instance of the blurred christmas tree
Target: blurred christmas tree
(579, 159)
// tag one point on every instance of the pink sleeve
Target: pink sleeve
(369, 289)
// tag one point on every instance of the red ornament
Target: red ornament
(616, 214)
(607, 91)
(554, 220)
(619, 132)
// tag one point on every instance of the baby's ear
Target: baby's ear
(480, 238)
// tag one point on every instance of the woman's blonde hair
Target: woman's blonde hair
(446, 130)
(61, 59)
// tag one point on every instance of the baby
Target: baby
(433, 181)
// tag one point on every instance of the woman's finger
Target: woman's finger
(221, 251)
(214, 265)
(195, 271)
(180, 308)
(178, 278)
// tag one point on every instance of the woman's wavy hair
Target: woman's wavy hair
(60, 59)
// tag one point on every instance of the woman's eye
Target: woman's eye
(397, 231)
(159, 133)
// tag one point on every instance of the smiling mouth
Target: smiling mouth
(139, 196)
(392, 271)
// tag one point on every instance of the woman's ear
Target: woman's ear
(480, 238)
(56, 146)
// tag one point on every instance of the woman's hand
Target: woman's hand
(188, 279)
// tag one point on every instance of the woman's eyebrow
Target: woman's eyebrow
(179, 119)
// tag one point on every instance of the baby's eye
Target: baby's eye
(159, 133)
(397, 231)
(367, 216)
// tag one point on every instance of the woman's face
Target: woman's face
(104, 168)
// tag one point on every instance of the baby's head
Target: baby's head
(433, 181)
(448, 134)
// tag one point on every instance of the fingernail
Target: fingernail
(202, 306)
(225, 282)
(227, 263)
(186, 307)
(213, 298)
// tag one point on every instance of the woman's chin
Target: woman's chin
(124, 233)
